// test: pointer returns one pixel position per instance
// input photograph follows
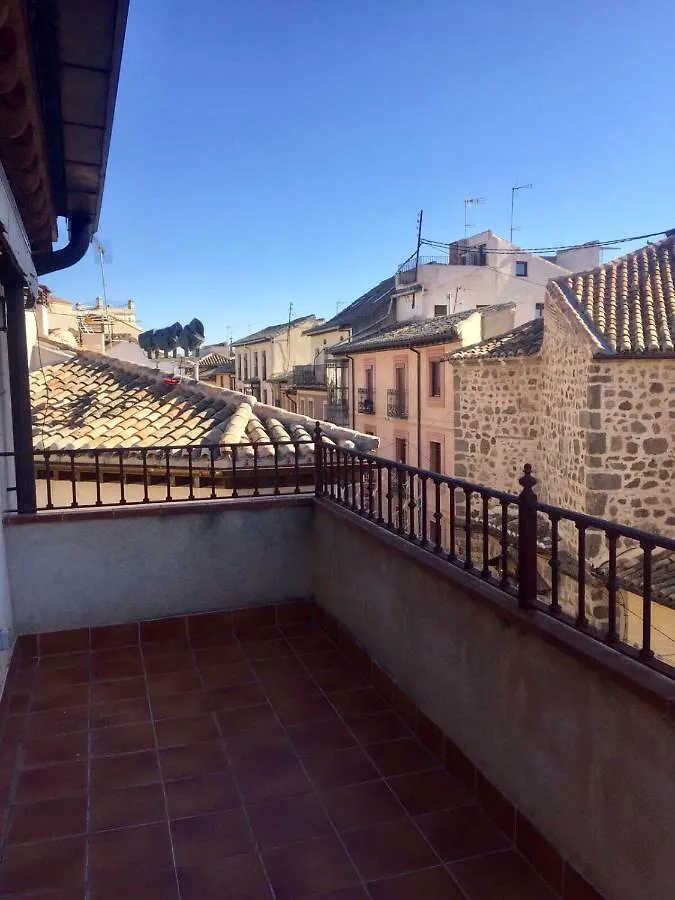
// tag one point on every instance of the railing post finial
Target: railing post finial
(527, 539)
(318, 460)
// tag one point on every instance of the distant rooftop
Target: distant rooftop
(266, 334)
(361, 311)
(525, 340)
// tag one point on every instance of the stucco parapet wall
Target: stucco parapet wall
(646, 683)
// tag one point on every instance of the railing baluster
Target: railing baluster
(168, 474)
(256, 491)
(212, 470)
(390, 523)
(296, 467)
(123, 498)
(504, 545)
(468, 562)
(380, 519)
(144, 461)
(612, 635)
(555, 567)
(361, 491)
(423, 510)
(400, 478)
(452, 552)
(235, 449)
(486, 536)
(438, 515)
(191, 493)
(73, 487)
(412, 506)
(48, 479)
(276, 469)
(582, 619)
(371, 489)
(646, 652)
(353, 467)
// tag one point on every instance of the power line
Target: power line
(608, 243)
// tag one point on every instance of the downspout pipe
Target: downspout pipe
(352, 391)
(79, 236)
(419, 405)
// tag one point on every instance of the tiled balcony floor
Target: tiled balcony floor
(241, 765)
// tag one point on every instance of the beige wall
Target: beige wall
(282, 354)
(587, 761)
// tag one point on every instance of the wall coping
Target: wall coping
(646, 683)
(163, 508)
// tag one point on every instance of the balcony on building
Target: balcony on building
(397, 403)
(337, 405)
(366, 401)
(309, 375)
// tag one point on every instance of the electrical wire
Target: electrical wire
(44, 378)
(510, 252)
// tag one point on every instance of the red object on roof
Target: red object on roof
(171, 380)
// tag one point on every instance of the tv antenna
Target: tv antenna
(518, 187)
(102, 251)
(470, 201)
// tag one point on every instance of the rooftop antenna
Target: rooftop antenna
(517, 187)
(102, 251)
(470, 201)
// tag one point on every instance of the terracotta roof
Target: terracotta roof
(629, 303)
(266, 334)
(439, 330)
(525, 340)
(93, 402)
(630, 574)
(208, 362)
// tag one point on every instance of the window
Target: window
(239, 366)
(246, 367)
(435, 456)
(302, 406)
(264, 365)
(310, 408)
(521, 268)
(440, 309)
(401, 450)
(255, 364)
(325, 410)
(539, 310)
(435, 378)
(370, 381)
(264, 395)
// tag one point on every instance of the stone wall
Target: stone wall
(631, 454)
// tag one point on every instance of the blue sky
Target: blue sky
(267, 153)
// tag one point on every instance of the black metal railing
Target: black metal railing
(309, 375)
(117, 476)
(397, 404)
(366, 401)
(578, 569)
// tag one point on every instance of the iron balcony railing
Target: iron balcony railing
(564, 563)
(366, 401)
(397, 404)
(309, 375)
(583, 571)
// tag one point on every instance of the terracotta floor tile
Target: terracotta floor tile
(42, 866)
(109, 665)
(48, 819)
(245, 633)
(340, 768)
(76, 673)
(460, 833)
(256, 650)
(194, 759)
(138, 805)
(119, 712)
(317, 642)
(60, 697)
(351, 893)
(141, 847)
(60, 748)
(243, 875)
(71, 893)
(500, 876)
(384, 726)
(320, 737)
(311, 867)
(428, 884)
(290, 686)
(390, 848)
(111, 772)
(243, 744)
(401, 756)
(237, 696)
(107, 636)
(64, 642)
(173, 683)
(218, 656)
(296, 710)
(64, 780)
(200, 839)
(425, 792)
(359, 702)
(287, 821)
(180, 706)
(163, 649)
(227, 675)
(361, 805)
(252, 717)
(269, 669)
(136, 885)
(279, 778)
(124, 689)
(324, 661)
(201, 794)
(182, 661)
(122, 739)
(160, 630)
(179, 732)
(340, 680)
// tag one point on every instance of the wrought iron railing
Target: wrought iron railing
(397, 404)
(366, 401)
(574, 567)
